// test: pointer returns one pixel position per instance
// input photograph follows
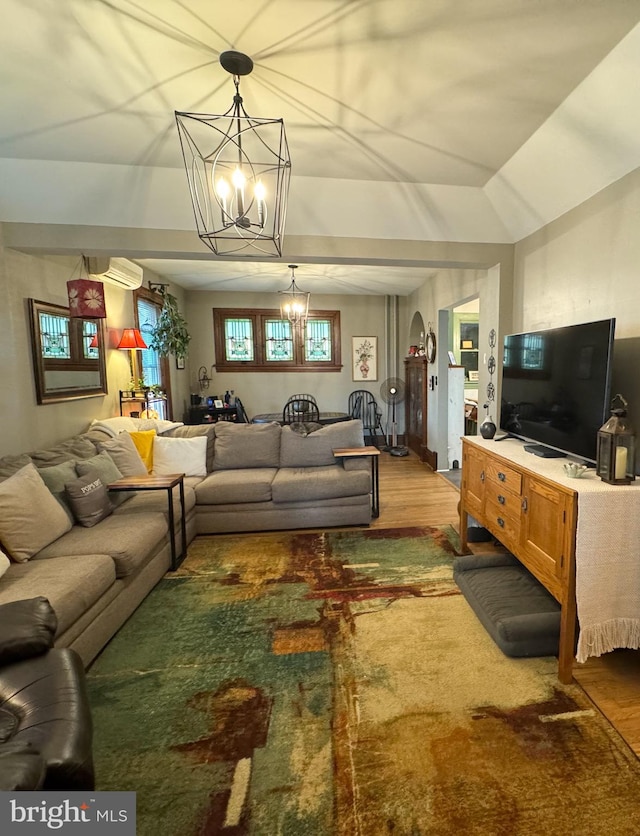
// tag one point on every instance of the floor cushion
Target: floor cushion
(516, 610)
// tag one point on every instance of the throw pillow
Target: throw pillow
(4, 563)
(143, 440)
(114, 426)
(77, 447)
(12, 464)
(180, 455)
(55, 478)
(123, 452)
(89, 499)
(107, 471)
(30, 516)
(192, 430)
(157, 424)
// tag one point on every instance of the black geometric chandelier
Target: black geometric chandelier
(294, 303)
(238, 168)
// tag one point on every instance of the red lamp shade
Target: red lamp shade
(131, 338)
(94, 341)
(86, 299)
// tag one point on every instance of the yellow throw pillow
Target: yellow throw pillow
(143, 440)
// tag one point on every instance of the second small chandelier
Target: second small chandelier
(294, 303)
(238, 168)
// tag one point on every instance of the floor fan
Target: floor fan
(392, 392)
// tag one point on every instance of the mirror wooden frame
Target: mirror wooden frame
(41, 365)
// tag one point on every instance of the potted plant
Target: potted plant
(170, 334)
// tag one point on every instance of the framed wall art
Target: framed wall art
(364, 358)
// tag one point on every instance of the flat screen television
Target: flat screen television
(556, 387)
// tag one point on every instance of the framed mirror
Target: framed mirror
(68, 354)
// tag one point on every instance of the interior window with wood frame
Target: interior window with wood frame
(246, 339)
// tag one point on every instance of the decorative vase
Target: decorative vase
(364, 370)
(487, 428)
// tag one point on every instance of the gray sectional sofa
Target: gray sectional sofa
(254, 478)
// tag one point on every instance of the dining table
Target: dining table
(325, 417)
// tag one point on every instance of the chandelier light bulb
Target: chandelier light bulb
(260, 194)
(223, 191)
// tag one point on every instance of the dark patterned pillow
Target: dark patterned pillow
(89, 499)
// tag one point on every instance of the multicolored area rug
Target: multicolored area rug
(337, 683)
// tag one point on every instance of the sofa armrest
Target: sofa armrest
(27, 628)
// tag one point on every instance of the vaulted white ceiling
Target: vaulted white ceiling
(440, 120)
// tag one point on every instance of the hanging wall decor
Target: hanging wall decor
(488, 427)
(365, 358)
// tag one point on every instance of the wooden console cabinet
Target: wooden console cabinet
(535, 518)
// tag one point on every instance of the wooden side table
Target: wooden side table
(161, 483)
(373, 453)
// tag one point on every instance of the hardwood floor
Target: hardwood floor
(412, 494)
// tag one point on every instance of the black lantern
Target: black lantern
(616, 457)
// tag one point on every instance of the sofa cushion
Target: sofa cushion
(71, 584)
(89, 499)
(4, 563)
(226, 487)
(106, 469)
(180, 455)
(156, 501)
(30, 516)
(77, 447)
(12, 464)
(129, 546)
(193, 431)
(123, 452)
(246, 445)
(316, 449)
(302, 484)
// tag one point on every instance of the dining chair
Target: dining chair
(300, 409)
(364, 407)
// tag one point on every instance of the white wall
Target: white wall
(586, 266)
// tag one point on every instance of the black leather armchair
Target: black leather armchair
(45, 721)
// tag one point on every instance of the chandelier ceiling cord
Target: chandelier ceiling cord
(238, 169)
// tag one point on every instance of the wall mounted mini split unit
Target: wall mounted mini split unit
(118, 271)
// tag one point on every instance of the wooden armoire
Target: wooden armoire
(416, 376)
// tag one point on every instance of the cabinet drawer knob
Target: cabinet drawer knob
(525, 504)
(501, 499)
(502, 477)
(482, 476)
(500, 522)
